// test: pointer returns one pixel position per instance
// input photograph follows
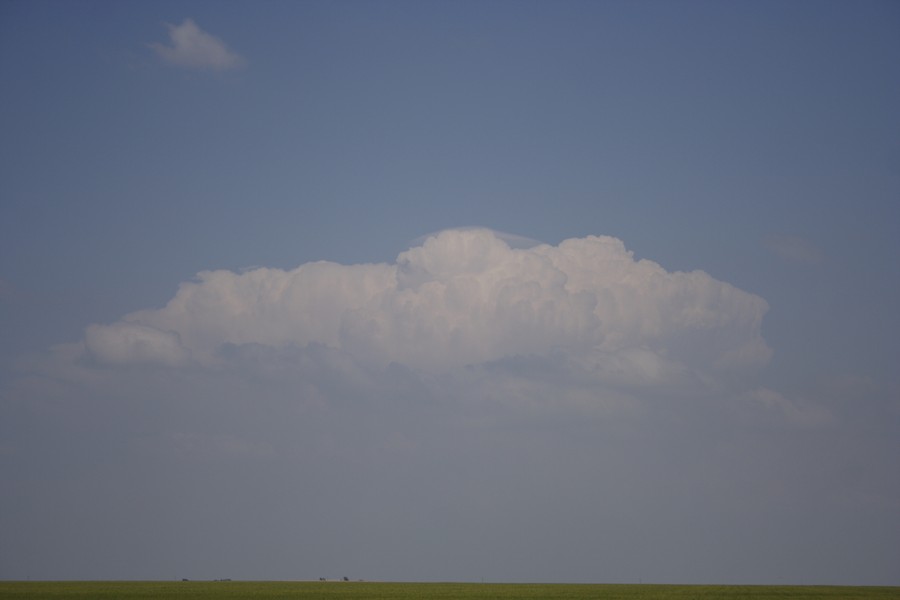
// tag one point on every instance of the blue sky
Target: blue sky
(144, 143)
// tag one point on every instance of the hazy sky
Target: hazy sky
(521, 291)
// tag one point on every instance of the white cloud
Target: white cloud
(462, 297)
(191, 47)
(512, 240)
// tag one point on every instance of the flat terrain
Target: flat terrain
(408, 591)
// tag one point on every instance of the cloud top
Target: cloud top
(193, 48)
(463, 297)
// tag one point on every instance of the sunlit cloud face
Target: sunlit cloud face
(192, 48)
(463, 297)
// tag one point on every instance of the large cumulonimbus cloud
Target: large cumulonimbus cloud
(463, 297)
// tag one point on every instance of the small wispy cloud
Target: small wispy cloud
(794, 249)
(193, 48)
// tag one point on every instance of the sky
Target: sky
(450, 291)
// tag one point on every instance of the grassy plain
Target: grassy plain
(128, 590)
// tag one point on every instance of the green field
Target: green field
(409, 591)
